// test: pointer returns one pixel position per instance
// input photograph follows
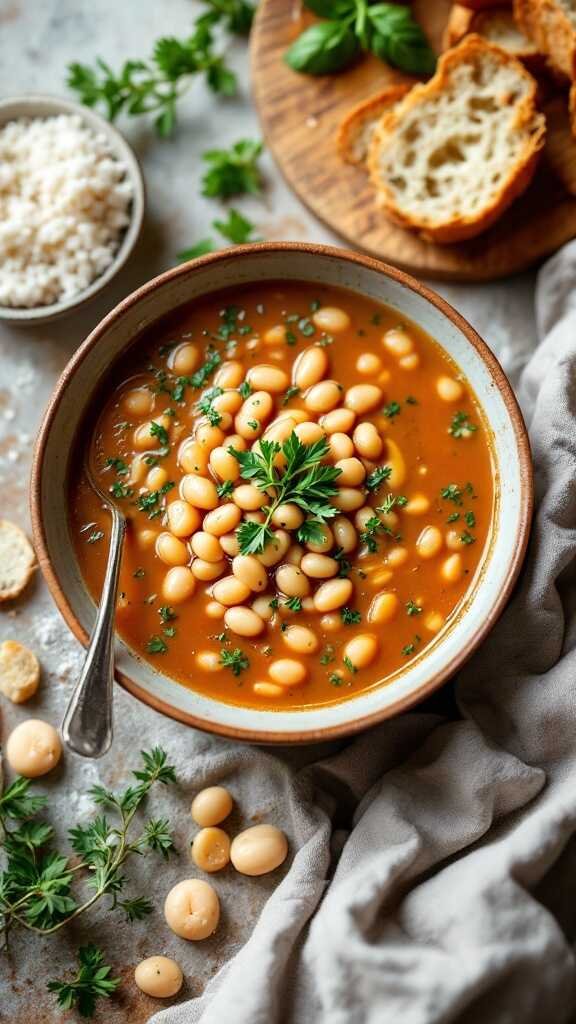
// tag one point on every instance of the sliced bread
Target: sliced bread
(560, 148)
(551, 24)
(17, 561)
(458, 149)
(482, 5)
(357, 127)
(497, 26)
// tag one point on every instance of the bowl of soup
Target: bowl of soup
(327, 483)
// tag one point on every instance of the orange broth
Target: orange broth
(447, 485)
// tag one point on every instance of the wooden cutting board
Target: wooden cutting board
(300, 115)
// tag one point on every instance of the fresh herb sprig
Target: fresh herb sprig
(91, 983)
(304, 482)
(233, 171)
(37, 882)
(155, 86)
(388, 30)
(236, 229)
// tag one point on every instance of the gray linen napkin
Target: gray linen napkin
(434, 868)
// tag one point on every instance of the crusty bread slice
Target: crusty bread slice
(17, 561)
(482, 5)
(458, 149)
(551, 24)
(19, 671)
(497, 26)
(356, 128)
(572, 108)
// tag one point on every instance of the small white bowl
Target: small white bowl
(34, 106)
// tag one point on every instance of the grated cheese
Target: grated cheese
(64, 206)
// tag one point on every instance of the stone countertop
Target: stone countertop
(38, 38)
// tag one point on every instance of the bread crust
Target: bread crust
(17, 560)
(368, 110)
(460, 228)
(572, 109)
(550, 28)
(483, 5)
(463, 20)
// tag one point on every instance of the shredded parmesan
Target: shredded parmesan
(64, 206)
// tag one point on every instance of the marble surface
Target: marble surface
(37, 40)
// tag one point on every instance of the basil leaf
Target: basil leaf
(332, 9)
(323, 48)
(399, 40)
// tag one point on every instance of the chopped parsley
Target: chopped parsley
(410, 648)
(392, 501)
(245, 389)
(467, 538)
(157, 430)
(349, 665)
(376, 478)
(470, 519)
(453, 517)
(452, 493)
(335, 679)
(349, 616)
(151, 503)
(328, 655)
(119, 465)
(156, 645)
(461, 425)
(120, 490)
(294, 604)
(291, 392)
(412, 608)
(206, 406)
(166, 613)
(235, 660)
(95, 536)
(224, 490)
(391, 410)
(306, 327)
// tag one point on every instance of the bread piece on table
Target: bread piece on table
(17, 560)
(457, 150)
(560, 149)
(356, 128)
(497, 26)
(551, 24)
(19, 671)
(482, 5)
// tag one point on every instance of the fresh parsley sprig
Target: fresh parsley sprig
(155, 86)
(304, 482)
(37, 882)
(388, 30)
(91, 983)
(236, 229)
(233, 171)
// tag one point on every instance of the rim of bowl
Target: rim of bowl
(36, 105)
(354, 725)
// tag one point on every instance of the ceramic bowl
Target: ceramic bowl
(489, 589)
(33, 106)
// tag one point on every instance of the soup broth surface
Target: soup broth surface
(301, 571)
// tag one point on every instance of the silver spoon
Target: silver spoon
(87, 725)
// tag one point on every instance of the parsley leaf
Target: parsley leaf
(376, 478)
(349, 616)
(91, 983)
(156, 645)
(462, 426)
(232, 171)
(235, 660)
(412, 608)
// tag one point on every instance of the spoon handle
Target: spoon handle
(87, 725)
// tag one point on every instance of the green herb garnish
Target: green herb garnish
(156, 645)
(349, 665)
(388, 30)
(391, 410)
(92, 982)
(304, 481)
(235, 660)
(377, 477)
(461, 425)
(349, 616)
(412, 608)
(232, 171)
(294, 604)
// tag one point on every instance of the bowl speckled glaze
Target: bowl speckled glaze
(15, 108)
(489, 589)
